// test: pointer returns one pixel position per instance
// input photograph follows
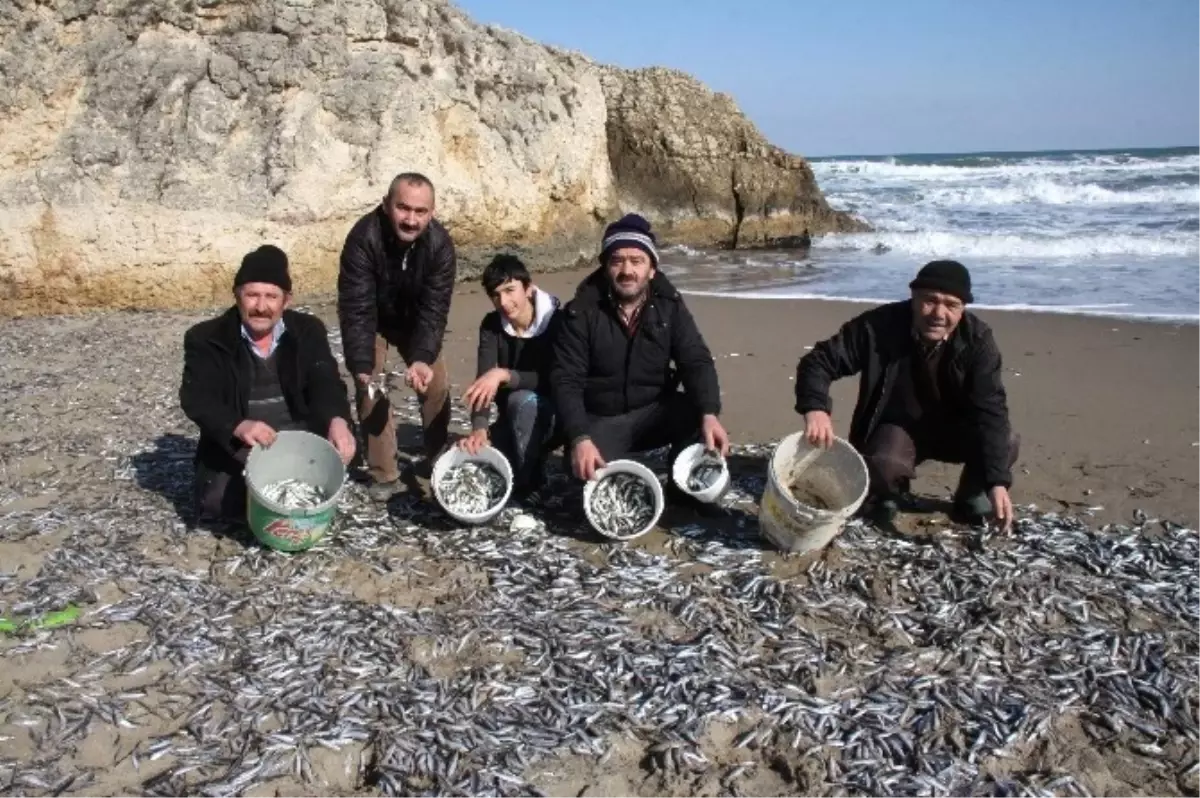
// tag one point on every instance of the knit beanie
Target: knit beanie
(267, 264)
(630, 230)
(947, 277)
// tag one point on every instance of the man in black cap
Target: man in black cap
(626, 345)
(930, 390)
(256, 369)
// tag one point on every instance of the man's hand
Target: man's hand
(1002, 507)
(342, 439)
(818, 428)
(474, 442)
(482, 392)
(586, 459)
(418, 376)
(715, 436)
(254, 433)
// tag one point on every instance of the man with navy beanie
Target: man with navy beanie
(627, 345)
(930, 389)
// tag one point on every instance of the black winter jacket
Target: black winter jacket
(527, 359)
(387, 288)
(599, 369)
(215, 391)
(875, 344)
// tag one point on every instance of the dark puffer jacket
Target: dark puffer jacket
(876, 343)
(599, 369)
(389, 288)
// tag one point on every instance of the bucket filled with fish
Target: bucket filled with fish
(292, 490)
(701, 473)
(811, 493)
(624, 500)
(472, 488)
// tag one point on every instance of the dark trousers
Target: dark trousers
(220, 496)
(893, 454)
(524, 432)
(673, 422)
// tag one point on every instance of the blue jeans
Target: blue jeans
(524, 431)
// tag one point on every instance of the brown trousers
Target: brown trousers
(379, 425)
(892, 456)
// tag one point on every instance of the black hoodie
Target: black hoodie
(600, 369)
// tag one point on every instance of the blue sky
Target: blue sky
(826, 77)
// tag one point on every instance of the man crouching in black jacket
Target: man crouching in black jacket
(254, 370)
(930, 390)
(612, 380)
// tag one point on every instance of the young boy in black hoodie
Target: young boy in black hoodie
(516, 342)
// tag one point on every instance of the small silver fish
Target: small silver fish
(622, 504)
(471, 488)
(293, 494)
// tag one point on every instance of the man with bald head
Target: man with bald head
(395, 283)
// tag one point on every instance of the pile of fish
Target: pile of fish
(622, 505)
(293, 494)
(405, 656)
(705, 472)
(471, 488)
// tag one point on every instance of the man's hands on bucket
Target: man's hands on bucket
(1002, 507)
(482, 392)
(254, 433)
(586, 459)
(418, 376)
(715, 436)
(342, 439)
(818, 428)
(474, 442)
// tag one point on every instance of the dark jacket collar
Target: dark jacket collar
(229, 329)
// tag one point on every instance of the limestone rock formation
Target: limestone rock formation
(145, 145)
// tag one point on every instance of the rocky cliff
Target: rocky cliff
(145, 145)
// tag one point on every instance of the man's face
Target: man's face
(630, 270)
(261, 305)
(410, 207)
(936, 314)
(512, 298)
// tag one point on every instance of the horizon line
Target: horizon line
(1001, 152)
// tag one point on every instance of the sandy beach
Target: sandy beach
(406, 655)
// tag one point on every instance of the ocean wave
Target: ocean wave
(1049, 192)
(1031, 167)
(925, 243)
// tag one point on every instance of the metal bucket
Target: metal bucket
(800, 476)
(294, 455)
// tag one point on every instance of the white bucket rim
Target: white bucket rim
(293, 512)
(625, 467)
(815, 513)
(455, 456)
(682, 467)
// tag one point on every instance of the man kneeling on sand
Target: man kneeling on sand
(256, 369)
(626, 343)
(930, 390)
(513, 369)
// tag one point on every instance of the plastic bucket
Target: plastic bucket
(294, 455)
(682, 469)
(455, 456)
(625, 467)
(810, 493)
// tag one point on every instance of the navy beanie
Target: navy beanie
(267, 264)
(630, 230)
(947, 277)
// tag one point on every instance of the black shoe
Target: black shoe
(382, 491)
(972, 510)
(883, 513)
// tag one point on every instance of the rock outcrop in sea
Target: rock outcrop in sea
(146, 145)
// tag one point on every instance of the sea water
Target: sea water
(1113, 232)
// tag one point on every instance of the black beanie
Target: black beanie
(267, 264)
(947, 277)
(630, 230)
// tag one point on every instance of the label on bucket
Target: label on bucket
(295, 530)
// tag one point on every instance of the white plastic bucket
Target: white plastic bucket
(682, 469)
(837, 477)
(625, 467)
(300, 455)
(455, 456)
